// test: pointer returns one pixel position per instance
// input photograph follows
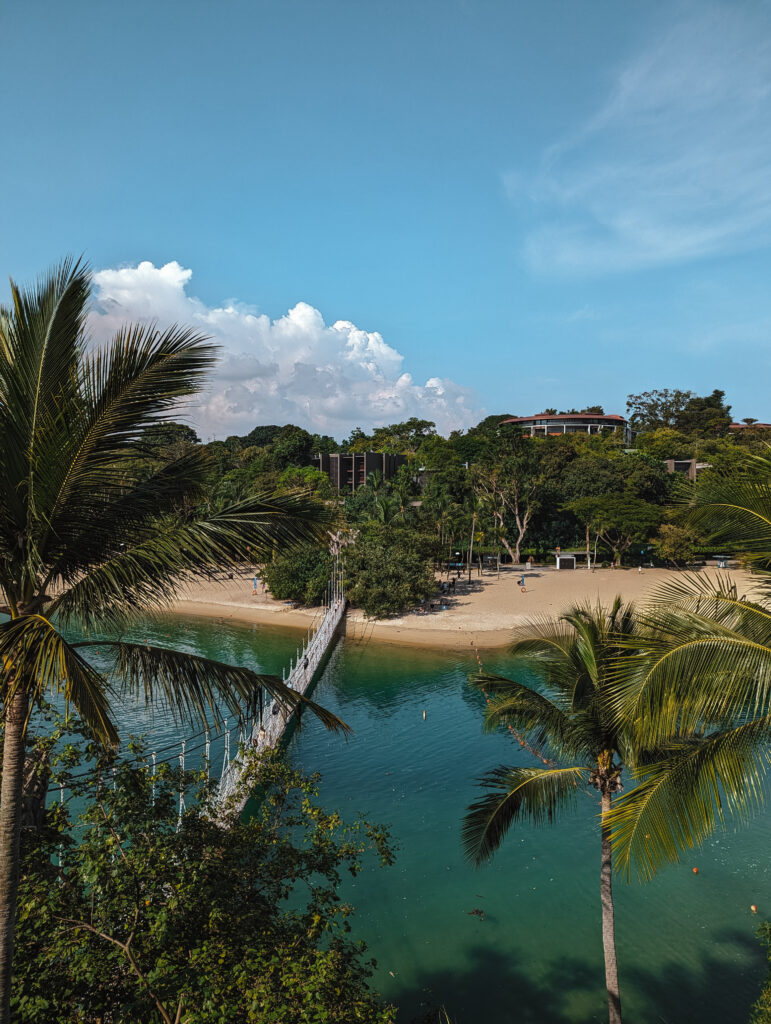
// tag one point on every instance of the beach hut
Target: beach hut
(567, 559)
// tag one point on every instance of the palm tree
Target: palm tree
(374, 481)
(569, 727)
(88, 537)
(702, 692)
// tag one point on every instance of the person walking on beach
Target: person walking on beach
(254, 586)
(522, 583)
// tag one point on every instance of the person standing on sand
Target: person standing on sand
(522, 583)
(254, 585)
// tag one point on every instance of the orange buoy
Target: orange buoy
(753, 908)
(695, 871)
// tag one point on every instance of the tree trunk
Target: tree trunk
(10, 835)
(608, 924)
(588, 549)
(522, 524)
(471, 544)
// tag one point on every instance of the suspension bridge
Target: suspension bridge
(269, 726)
(264, 726)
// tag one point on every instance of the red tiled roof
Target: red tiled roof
(750, 426)
(567, 416)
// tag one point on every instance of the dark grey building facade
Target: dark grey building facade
(349, 470)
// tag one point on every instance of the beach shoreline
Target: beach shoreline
(482, 614)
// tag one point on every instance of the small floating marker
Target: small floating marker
(753, 908)
(424, 714)
(695, 871)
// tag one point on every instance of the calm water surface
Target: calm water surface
(686, 944)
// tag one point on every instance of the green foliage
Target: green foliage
(735, 510)
(397, 438)
(262, 436)
(389, 569)
(652, 410)
(147, 922)
(700, 689)
(360, 505)
(706, 417)
(90, 534)
(761, 1011)
(665, 443)
(675, 544)
(306, 478)
(619, 520)
(169, 440)
(301, 574)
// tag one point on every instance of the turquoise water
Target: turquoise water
(686, 945)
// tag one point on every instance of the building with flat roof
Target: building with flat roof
(349, 470)
(551, 425)
(690, 468)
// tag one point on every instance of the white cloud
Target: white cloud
(675, 165)
(293, 369)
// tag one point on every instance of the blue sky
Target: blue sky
(406, 208)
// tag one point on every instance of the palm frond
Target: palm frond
(120, 517)
(736, 510)
(702, 657)
(148, 574)
(125, 388)
(194, 687)
(34, 654)
(43, 340)
(516, 794)
(532, 713)
(685, 796)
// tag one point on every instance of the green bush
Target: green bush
(148, 920)
(389, 569)
(761, 1011)
(299, 575)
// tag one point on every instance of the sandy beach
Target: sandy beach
(480, 614)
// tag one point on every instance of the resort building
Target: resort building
(349, 470)
(551, 425)
(690, 468)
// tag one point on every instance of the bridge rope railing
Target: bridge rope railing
(260, 727)
(268, 727)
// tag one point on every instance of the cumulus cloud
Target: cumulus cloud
(675, 164)
(297, 368)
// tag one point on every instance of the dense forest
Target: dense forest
(488, 493)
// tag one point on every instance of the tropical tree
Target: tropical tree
(89, 538)
(155, 919)
(569, 725)
(618, 520)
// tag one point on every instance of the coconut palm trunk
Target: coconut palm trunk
(10, 837)
(608, 918)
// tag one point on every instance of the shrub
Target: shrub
(146, 920)
(389, 569)
(299, 575)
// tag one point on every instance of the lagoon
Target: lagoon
(686, 943)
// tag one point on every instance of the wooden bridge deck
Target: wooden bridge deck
(269, 730)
